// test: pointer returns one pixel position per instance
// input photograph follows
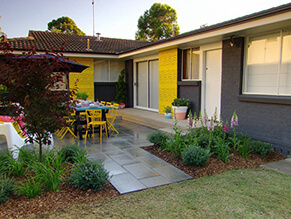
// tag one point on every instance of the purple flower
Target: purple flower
(234, 120)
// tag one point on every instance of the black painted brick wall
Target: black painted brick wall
(105, 91)
(191, 90)
(267, 122)
(129, 81)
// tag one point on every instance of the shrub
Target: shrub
(89, 175)
(181, 102)
(194, 155)
(7, 186)
(260, 148)
(158, 138)
(31, 188)
(72, 153)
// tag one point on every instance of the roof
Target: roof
(44, 40)
(73, 43)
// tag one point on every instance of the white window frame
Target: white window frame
(245, 72)
(182, 73)
(108, 61)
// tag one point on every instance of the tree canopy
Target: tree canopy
(32, 83)
(64, 25)
(159, 22)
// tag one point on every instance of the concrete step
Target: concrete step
(150, 119)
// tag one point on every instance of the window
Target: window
(107, 70)
(268, 64)
(190, 64)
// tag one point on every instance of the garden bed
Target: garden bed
(214, 165)
(53, 201)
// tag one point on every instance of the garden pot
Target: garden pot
(180, 112)
(121, 105)
(168, 115)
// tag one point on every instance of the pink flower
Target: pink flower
(225, 128)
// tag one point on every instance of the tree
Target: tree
(64, 25)
(31, 81)
(121, 88)
(159, 22)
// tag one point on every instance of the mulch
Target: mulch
(215, 166)
(68, 195)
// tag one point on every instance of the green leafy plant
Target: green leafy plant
(222, 150)
(244, 147)
(7, 187)
(167, 109)
(51, 171)
(176, 143)
(89, 175)
(30, 188)
(14, 167)
(194, 155)
(71, 152)
(260, 148)
(82, 95)
(121, 87)
(181, 102)
(28, 156)
(158, 138)
(3, 88)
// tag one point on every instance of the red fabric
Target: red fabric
(9, 119)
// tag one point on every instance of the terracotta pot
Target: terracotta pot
(121, 105)
(180, 112)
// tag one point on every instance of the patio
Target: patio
(131, 167)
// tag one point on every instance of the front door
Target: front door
(213, 81)
(147, 85)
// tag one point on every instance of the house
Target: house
(242, 64)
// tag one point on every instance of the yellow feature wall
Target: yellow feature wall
(168, 62)
(86, 78)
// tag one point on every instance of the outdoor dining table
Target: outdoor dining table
(83, 109)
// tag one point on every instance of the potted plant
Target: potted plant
(180, 107)
(82, 95)
(121, 89)
(168, 112)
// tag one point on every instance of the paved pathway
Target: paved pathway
(130, 167)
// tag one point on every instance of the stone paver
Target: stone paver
(130, 167)
(140, 170)
(124, 159)
(283, 166)
(155, 181)
(172, 173)
(114, 168)
(125, 183)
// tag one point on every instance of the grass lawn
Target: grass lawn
(253, 193)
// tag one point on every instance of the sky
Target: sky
(118, 18)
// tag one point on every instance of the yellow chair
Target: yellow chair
(68, 128)
(108, 104)
(103, 103)
(111, 116)
(94, 118)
